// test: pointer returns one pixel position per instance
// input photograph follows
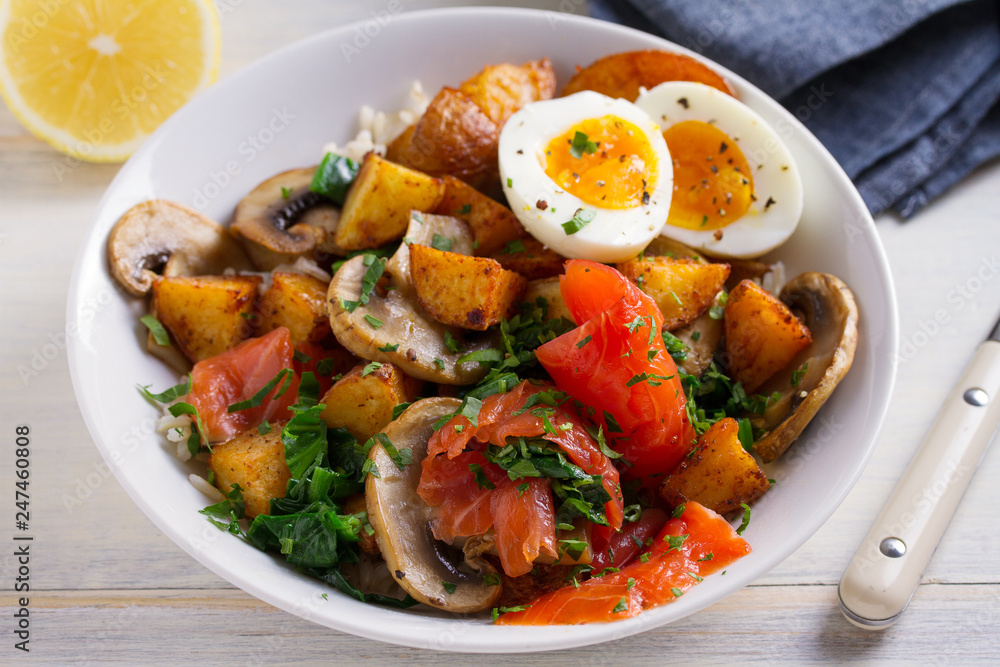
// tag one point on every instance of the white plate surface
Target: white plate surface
(275, 115)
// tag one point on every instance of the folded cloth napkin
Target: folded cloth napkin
(904, 93)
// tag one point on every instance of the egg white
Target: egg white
(614, 234)
(777, 186)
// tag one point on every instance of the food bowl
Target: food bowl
(275, 115)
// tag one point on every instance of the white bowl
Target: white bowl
(276, 114)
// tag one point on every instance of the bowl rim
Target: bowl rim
(501, 640)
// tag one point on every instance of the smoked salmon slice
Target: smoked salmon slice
(687, 549)
(235, 376)
(522, 513)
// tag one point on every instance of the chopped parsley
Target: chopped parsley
(464, 210)
(401, 458)
(373, 321)
(622, 604)
(376, 267)
(442, 243)
(370, 368)
(517, 245)
(581, 144)
(389, 347)
(584, 341)
(798, 373)
(481, 481)
(255, 401)
(719, 309)
(580, 219)
(160, 334)
(746, 519)
(449, 587)
(675, 541)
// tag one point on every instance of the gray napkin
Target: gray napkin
(904, 93)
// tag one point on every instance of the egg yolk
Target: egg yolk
(606, 162)
(713, 185)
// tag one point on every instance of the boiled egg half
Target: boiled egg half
(736, 188)
(587, 175)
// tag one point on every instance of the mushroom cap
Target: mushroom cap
(828, 308)
(401, 520)
(281, 219)
(160, 233)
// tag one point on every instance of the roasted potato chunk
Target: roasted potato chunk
(493, 225)
(621, 74)
(547, 289)
(718, 473)
(530, 258)
(458, 133)
(362, 402)
(500, 90)
(377, 207)
(762, 335)
(206, 315)
(463, 291)
(298, 302)
(255, 462)
(682, 288)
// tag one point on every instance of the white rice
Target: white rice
(775, 279)
(202, 485)
(377, 129)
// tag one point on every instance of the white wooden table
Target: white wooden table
(107, 586)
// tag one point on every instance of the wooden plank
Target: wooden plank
(761, 624)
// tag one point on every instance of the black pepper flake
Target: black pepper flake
(520, 152)
(541, 204)
(784, 167)
(576, 176)
(400, 574)
(729, 197)
(645, 198)
(770, 201)
(717, 235)
(723, 146)
(683, 101)
(715, 169)
(600, 184)
(621, 158)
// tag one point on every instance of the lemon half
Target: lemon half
(96, 77)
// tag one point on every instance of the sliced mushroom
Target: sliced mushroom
(281, 220)
(429, 570)
(163, 236)
(702, 338)
(393, 327)
(827, 307)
